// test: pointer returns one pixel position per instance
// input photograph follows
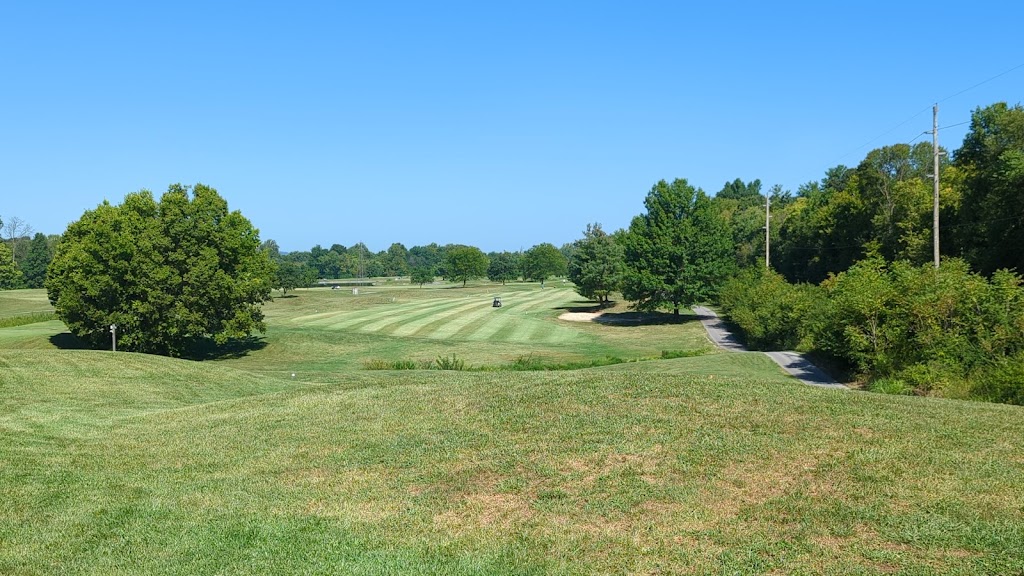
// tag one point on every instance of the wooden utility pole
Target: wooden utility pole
(767, 229)
(935, 181)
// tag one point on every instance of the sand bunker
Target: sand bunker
(580, 316)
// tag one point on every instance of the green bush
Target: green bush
(890, 386)
(769, 312)
(378, 364)
(905, 328)
(947, 331)
(452, 363)
(1000, 381)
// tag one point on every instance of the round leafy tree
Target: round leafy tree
(170, 274)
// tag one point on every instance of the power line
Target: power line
(953, 125)
(925, 109)
(886, 133)
(982, 82)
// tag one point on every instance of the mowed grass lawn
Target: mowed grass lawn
(718, 463)
(20, 302)
(128, 464)
(321, 333)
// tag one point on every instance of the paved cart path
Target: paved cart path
(794, 363)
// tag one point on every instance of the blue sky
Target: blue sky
(500, 125)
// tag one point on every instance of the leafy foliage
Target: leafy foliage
(991, 228)
(504, 267)
(542, 262)
(905, 328)
(292, 275)
(597, 265)
(679, 252)
(170, 274)
(422, 275)
(770, 312)
(35, 262)
(464, 263)
(10, 275)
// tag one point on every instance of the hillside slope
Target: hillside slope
(132, 464)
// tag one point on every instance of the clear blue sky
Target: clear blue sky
(500, 125)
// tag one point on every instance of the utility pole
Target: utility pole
(935, 181)
(767, 229)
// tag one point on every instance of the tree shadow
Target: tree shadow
(642, 318)
(231, 350)
(68, 341)
(286, 296)
(590, 306)
(200, 350)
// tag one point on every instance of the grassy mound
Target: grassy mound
(131, 464)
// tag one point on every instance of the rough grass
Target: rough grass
(131, 464)
(717, 463)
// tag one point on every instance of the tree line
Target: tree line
(24, 257)
(422, 264)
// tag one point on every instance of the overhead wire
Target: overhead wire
(923, 110)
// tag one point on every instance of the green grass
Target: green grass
(711, 463)
(131, 464)
(23, 302)
(321, 333)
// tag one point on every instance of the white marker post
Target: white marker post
(113, 335)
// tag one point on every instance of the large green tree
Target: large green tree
(679, 252)
(504, 267)
(597, 264)
(396, 260)
(463, 263)
(991, 160)
(171, 274)
(33, 266)
(10, 275)
(292, 275)
(422, 275)
(544, 261)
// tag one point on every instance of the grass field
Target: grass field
(129, 464)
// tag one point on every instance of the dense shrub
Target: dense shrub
(905, 329)
(946, 330)
(769, 311)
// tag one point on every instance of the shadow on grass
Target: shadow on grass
(286, 296)
(68, 341)
(642, 318)
(204, 350)
(232, 350)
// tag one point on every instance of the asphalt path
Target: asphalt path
(794, 363)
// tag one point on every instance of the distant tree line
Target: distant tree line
(24, 257)
(422, 264)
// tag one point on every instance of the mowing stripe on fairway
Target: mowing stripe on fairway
(418, 326)
(443, 329)
(325, 318)
(358, 319)
(475, 316)
(503, 320)
(395, 325)
(544, 297)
